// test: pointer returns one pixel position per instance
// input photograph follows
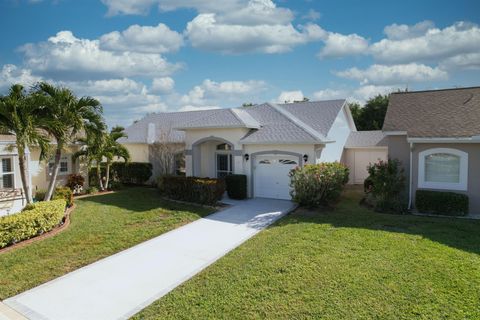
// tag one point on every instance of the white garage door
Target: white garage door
(361, 160)
(271, 178)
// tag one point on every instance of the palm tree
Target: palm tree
(113, 149)
(68, 117)
(19, 116)
(91, 152)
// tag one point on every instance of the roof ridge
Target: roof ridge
(299, 123)
(244, 117)
(435, 90)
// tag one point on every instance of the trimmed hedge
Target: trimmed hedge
(318, 184)
(191, 189)
(37, 219)
(136, 173)
(440, 202)
(236, 186)
(64, 193)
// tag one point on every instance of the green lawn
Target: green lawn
(100, 226)
(349, 263)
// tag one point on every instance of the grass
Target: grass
(348, 263)
(100, 226)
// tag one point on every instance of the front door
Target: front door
(224, 164)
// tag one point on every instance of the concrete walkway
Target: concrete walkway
(123, 284)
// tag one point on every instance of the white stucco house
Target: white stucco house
(264, 142)
(12, 197)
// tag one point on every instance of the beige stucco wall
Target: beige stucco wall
(473, 188)
(138, 152)
(39, 174)
(350, 159)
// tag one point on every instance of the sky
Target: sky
(144, 56)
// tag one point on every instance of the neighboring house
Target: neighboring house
(436, 136)
(12, 198)
(264, 142)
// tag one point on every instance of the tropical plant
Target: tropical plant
(19, 116)
(113, 149)
(67, 117)
(91, 152)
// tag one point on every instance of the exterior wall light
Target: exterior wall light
(246, 156)
(305, 157)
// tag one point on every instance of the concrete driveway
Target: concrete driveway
(121, 285)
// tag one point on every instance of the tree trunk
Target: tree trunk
(23, 175)
(53, 177)
(107, 175)
(99, 176)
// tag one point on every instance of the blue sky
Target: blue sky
(142, 56)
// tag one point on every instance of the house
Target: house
(12, 197)
(436, 136)
(264, 142)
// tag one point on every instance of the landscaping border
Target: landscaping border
(51, 233)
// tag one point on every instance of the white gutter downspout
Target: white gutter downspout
(410, 182)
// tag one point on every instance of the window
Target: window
(443, 168)
(6, 174)
(286, 161)
(266, 161)
(224, 146)
(64, 166)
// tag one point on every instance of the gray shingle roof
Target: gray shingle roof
(365, 139)
(317, 114)
(267, 124)
(435, 113)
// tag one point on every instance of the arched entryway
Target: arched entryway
(213, 157)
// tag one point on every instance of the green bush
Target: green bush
(439, 202)
(136, 173)
(91, 190)
(191, 189)
(318, 184)
(236, 186)
(40, 195)
(64, 193)
(385, 186)
(43, 217)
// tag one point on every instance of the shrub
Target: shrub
(318, 184)
(115, 185)
(386, 185)
(75, 182)
(43, 217)
(92, 190)
(136, 173)
(236, 186)
(40, 195)
(191, 189)
(64, 193)
(439, 202)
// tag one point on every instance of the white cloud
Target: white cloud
(331, 94)
(312, 15)
(162, 85)
(403, 31)
(468, 61)
(434, 45)
(257, 12)
(339, 45)
(11, 74)
(66, 57)
(147, 39)
(404, 73)
(106, 87)
(206, 33)
(290, 96)
(141, 7)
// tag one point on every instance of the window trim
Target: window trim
(462, 185)
(64, 158)
(12, 173)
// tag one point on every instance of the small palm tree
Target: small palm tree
(113, 149)
(19, 116)
(91, 152)
(67, 117)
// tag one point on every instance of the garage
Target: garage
(362, 149)
(270, 175)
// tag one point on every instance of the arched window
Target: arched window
(443, 168)
(224, 146)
